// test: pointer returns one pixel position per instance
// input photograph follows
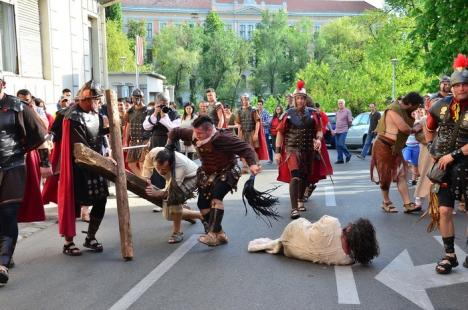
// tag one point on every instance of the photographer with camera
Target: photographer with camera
(160, 120)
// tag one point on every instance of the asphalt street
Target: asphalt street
(193, 276)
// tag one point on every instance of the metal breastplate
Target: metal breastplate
(301, 129)
(92, 131)
(451, 134)
(246, 120)
(11, 149)
(136, 119)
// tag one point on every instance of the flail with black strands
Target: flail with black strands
(261, 202)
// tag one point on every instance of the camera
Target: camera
(165, 109)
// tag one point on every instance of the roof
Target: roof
(185, 4)
(328, 6)
(305, 6)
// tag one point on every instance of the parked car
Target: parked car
(329, 138)
(357, 133)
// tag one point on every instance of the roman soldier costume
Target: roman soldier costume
(77, 185)
(298, 166)
(21, 130)
(135, 117)
(212, 111)
(218, 174)
(447, 124)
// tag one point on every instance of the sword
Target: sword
(323, 163)
(134, 147)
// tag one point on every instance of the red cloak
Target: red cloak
(32, 206)
(50, 189)
(262, 150)
(66, 195)
(318, 170)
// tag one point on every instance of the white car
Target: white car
(357, 133)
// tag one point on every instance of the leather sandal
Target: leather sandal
(213, 239)
(411, 207)
(445, 265)
(295, 214)
(3, 275)
(93, 244)
(300, 206)
(71, 250)
(176, 238)
(388, 207)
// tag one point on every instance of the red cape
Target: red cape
(50, 189)
(66, 195)
(32, 207)
(262, 150)
(320, 168)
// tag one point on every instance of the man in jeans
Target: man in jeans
(343, 122)
(374, 119)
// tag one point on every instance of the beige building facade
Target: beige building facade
(242, 16)
(49, 45)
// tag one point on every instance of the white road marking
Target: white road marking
(141, 287)
(411, 281)
(346, 286)
(330, 196)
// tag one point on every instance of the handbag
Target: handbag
(437, 175)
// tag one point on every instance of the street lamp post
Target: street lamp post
(394, 62)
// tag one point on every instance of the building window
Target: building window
(149, 31)
(228, 27)
(242, 32)
(316, 27)
(162, 25)
(8, 48)
(250, 31)
(149, 56)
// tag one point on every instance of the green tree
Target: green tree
(114, 12)
(440, 29)
(224, 58)
(354, 61)
(119, 55)
(280, 50)
(177, 53)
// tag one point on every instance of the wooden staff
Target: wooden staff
(123, 211)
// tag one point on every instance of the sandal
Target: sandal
(388, 207)
(300, 206)
(411, 207)
(93, 244)
(3, 275)
(71, 250)
(445, 265)
(213, 239)
(176, 238)
(295, 214)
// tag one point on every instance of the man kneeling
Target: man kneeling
(180, 174)
(323, 242)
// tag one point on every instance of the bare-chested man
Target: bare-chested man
(387, 163)
(215, 108)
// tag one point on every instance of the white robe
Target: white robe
(318, 242)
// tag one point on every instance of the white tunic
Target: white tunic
(318, 242)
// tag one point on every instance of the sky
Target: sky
(377, 3)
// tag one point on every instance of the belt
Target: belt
(384, 141)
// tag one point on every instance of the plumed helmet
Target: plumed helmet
(300, 89)
(137, 93)
(460, 75)
(90, 89)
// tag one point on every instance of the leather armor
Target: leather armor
(247, 121)
(92, 122)
(11, 149)
(212, 112)
(136, 119)
(301, 130)
(451, 134)
(212, 160)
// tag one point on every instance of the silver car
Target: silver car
(357, 133)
